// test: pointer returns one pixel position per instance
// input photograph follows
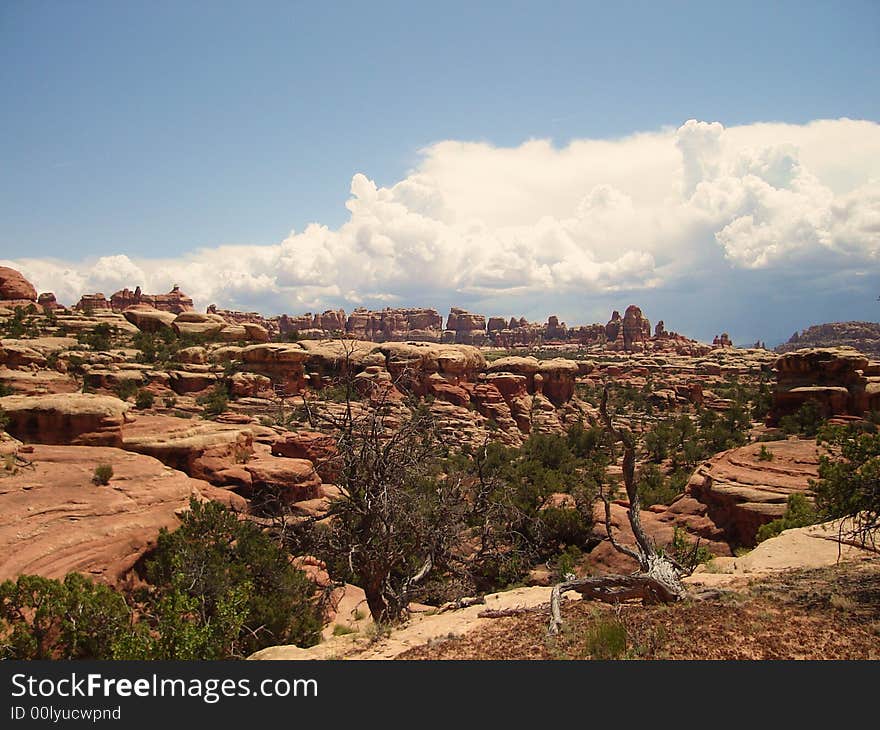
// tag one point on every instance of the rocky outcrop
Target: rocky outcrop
(14, 288)
(557, 379)
(840, 381)
(614, 328)
(215, 452)
(743, 492)
(147, 318)
(629, 332)
(636, 329)
(47, 301)
(554, 378)
(76, 418)
(283, 479)
(54, 519)
(395, 325)
(174, 301)
(249, 385)
(38, 382)
(92, 303)
(465, 328)
(862, 336)
(318, 448)
(329, 323)
(257, 327)
(195, 323)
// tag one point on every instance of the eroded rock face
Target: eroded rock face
(47, 300)
(92, 302)
(147, 318)
(836, 379)
(202, 449)
(318, 448)
(75, 418)
(174, 301)
(395, 325)
(54, 519)
(289, 480)
(635, 328)
(614, 327)
(558, 379)
(742, 492)
(14, 287)
(465, 328)
(862, 336)
(194, 323)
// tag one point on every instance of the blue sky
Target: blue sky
(151, 130)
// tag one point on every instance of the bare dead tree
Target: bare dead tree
(397, 519)
(658, 579)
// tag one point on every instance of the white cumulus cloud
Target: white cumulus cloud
(478, 223)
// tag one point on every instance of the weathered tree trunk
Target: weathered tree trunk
(659, 576)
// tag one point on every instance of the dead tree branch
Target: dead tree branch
(659, 576)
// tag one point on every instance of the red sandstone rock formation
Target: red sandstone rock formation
(742, 492)
(464, 328)
(395, 325)
(257, 327)
(174, 301)
(47, 301)
(75, 418)
(862, 336)
(54, 519)
(319, 448)
(841, 381)
(203, 449)
(15, 288)
(147, 318)
(614, 326)
(685, 513)
(89, 302)
(636, 329)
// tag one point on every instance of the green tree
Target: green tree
(41, 618)
(226, 589)
(849, 479)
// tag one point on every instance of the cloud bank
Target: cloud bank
(534, 229)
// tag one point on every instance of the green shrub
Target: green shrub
(765, 454)
(685, 552)
(564, 526)
(144, 399)
(806, 421)
(849, 479)
(228, 589)
(567, 561)
(41, 618)
(656, 488)
(216, 401)
(799, 513)
(99, 339)
(103, 474)
(125, 389)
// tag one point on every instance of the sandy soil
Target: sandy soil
(816, 613)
